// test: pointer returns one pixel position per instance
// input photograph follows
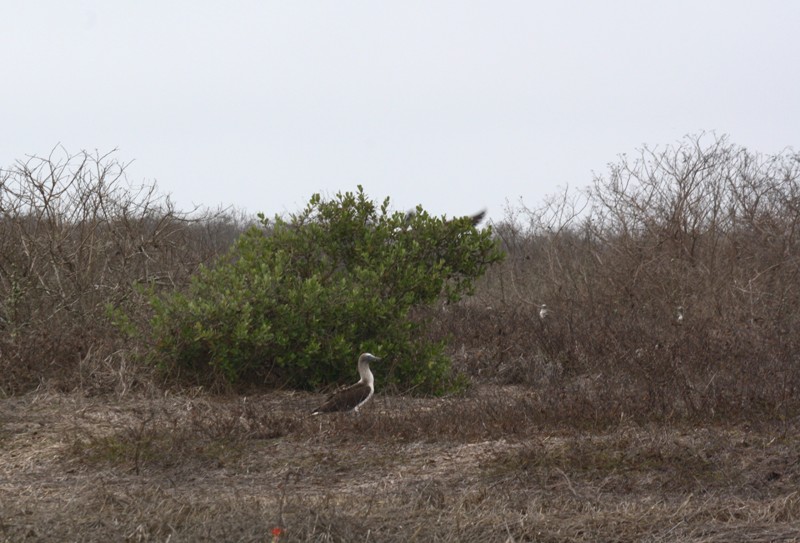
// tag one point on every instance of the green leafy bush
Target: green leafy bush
(296, 300)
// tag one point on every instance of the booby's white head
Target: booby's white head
(363, 368)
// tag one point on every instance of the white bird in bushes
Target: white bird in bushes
(543, 312)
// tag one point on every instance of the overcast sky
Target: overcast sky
(453, 105)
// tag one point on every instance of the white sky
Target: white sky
(457, 105)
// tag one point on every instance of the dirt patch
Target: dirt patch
(202, 468)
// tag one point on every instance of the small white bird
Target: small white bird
(543, 312)
(679, 314)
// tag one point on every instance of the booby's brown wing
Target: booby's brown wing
(345, 400)
(478, 217)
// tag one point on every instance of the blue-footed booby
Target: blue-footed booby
(354, 396)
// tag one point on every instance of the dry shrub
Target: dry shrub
(672, 281)
(76, 240)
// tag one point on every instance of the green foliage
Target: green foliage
(296, 300)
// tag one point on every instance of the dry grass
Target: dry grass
(486, 467)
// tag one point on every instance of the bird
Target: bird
(475, 218)
(543, 312)
(354, 396)
(679, 315)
